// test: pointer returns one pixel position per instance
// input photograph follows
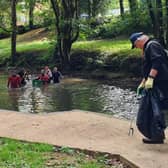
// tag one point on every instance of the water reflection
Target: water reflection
(71, 94)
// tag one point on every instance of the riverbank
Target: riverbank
(84, 130)
(35, 50)
(119, 79)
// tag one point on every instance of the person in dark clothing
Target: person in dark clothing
(22, 73)
(56, 75)
(155, 69)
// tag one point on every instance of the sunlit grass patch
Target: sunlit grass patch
(21, 154)
(33, 46)
(14, 153)
(5, 47)
(108, 46)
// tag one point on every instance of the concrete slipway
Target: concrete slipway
(85, 130)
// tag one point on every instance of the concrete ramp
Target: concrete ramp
(85, 130)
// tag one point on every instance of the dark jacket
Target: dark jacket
(155, 57)
(56, 76)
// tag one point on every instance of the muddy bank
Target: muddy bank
(107, 62)
(97, 64)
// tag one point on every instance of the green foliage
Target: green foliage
(4, 34)
(16, 154)
(27, 51)
(123, 26)
(20, 154)
(97, 6)
(67, 150)
(86, 55)
(110, 27)
(44, 17)
(85, 30)
(111, 55)
(107, 46)
(115, 4)
(92, 164)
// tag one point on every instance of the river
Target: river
(71, 93)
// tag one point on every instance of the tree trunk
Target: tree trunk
(31, 16)
(159, 10)
(56, 10)
(90, 8)
(14, 29)
(121, 7)
(67, 32)
(133, 6)
(166, 4)
(153, 18)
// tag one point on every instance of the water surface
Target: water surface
(71, 93)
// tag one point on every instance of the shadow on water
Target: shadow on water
(71, 93)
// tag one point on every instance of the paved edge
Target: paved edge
(84, 130)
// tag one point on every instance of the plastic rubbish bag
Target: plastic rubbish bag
(150, 119)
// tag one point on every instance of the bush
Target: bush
(117, 26)
(84, 31)
(21, 29)
(4, 34)
(90, 28)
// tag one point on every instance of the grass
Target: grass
(5, 48)
(24, 44)
(19, 154)
(116, 47)
(102, 45)
(15, 154)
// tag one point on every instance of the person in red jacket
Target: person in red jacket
(14, 81)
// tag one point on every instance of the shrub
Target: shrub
(117, 26)
(4, 34)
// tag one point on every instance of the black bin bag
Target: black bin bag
(150, 118)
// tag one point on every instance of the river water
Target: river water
(71, 93)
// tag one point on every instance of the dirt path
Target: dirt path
(86, 131)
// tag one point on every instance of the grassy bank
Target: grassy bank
(20, 154)
(111, 55)
(17, 154)
(115, 46)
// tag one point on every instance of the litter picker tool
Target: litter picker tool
(134, 108)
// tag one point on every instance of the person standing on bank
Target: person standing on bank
(155, 71)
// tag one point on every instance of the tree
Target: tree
(159, 15)
(9, 7)
(121, 7)
(99, 6)
(90, 10)
(67, 29)
(133, 4)
(5, 16)
(152, 16)
(31, 16)
(14, 30)
(166, 4)
(94, 7)
(156, 13)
